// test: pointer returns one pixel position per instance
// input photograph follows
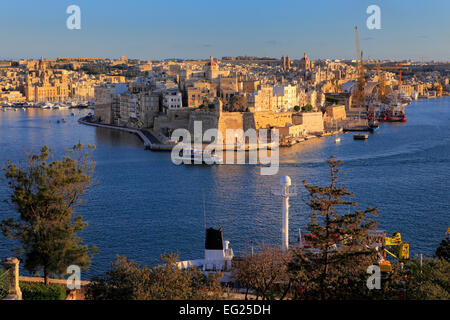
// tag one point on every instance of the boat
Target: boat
(358, 129)
(396, 113)
(193, 156)
(218, 257)
(374, 125)
(393, 118)
(377, 111)
(360, 136)
(337, 140)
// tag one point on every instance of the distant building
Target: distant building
(305, 63)
(285, 97)
(285, 63)
(212, 69)
(172, 99)
(41, 89)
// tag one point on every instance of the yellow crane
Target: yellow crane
(396, 248)
(399, 248)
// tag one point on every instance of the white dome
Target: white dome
(285, 181)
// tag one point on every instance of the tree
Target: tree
(297, 108)
(127, 280)
(265, 273)
(443, 251)
(341, 242)
(431, 281)
(45, 194)
(307, 108)
(238, 104)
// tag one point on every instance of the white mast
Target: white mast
(285, 194)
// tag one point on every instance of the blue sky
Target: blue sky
(148, 29)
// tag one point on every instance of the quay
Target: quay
(151, 142)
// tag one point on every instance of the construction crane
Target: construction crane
(399, 248)
(396, 248)
(358, 93)
(381, 76)
(400, 68)
(439, 85)
(381, 82)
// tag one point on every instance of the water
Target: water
(144, 205)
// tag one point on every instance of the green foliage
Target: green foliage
(443, 251)
(40, 291)
(307, 108)
(45, 194)
(297, 108)
(341, 239)
(238, 104)
(431, 282)
(127, 280)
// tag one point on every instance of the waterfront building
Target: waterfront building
(12, 96)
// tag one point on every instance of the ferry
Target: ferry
(193, 156)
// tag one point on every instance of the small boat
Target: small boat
(360, 136)
(337, 140)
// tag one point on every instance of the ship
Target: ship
(377, 111)
(193, 156)
(396, 113)
(218, 257)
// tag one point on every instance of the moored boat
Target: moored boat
(360, 136)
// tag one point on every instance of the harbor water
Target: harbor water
(143, 205)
